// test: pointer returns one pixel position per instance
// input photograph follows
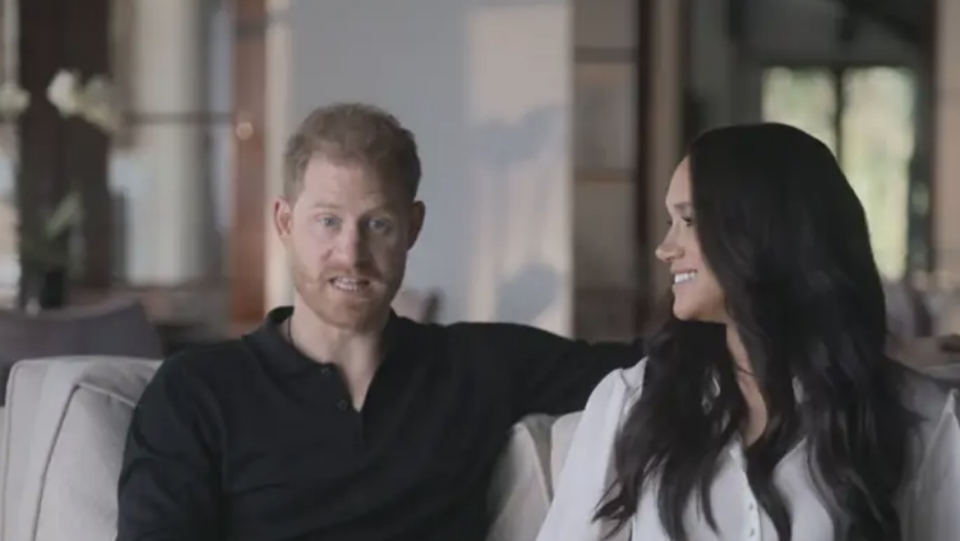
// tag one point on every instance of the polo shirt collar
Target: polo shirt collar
(271, 338)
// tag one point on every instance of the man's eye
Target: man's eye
(380, 225)
(329, 221)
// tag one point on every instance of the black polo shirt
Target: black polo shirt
(251, 440)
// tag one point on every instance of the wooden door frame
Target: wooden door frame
(928, 226)
(246, 269)
(660, 24)
(644, 58)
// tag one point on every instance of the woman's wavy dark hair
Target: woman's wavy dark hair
(787, 238)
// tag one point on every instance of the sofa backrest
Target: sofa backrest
(118, 327)
(66, 421)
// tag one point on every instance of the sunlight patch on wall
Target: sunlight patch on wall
(519, 100)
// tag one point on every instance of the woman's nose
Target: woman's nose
(668, 251)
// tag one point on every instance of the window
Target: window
(867, 117)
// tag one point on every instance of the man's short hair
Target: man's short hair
(356, 134)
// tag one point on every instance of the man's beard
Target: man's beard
(339, 309)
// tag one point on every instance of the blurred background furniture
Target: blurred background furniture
(118, 326)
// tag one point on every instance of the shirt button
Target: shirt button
(342, 405)
(753, 532)
(325, 371)
(751, 506)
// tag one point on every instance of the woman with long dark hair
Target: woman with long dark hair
(767, 408)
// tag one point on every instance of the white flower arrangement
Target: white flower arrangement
(64, 92)
(94, 101)
(14, 100)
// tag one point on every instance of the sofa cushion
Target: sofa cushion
(60, 478)
(79, 493)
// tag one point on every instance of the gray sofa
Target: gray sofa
(66, 418)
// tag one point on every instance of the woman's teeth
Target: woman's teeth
(682, 277)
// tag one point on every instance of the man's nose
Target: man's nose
(352, 246)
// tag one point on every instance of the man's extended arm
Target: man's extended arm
(552, 374)
(169, 487)
(556, 375)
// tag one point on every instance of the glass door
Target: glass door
(867, 116)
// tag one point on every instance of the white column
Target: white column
(278, 285)
(165, 239)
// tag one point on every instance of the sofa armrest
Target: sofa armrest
(520, 490)
(561, 437)
(66, 421)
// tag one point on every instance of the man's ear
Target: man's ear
(282, 218)
(418, 212)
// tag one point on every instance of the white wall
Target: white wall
(485, 86)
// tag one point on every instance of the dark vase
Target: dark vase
(43, 288)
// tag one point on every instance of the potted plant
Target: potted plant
(44, 253)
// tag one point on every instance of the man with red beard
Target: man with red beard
(337, 419)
